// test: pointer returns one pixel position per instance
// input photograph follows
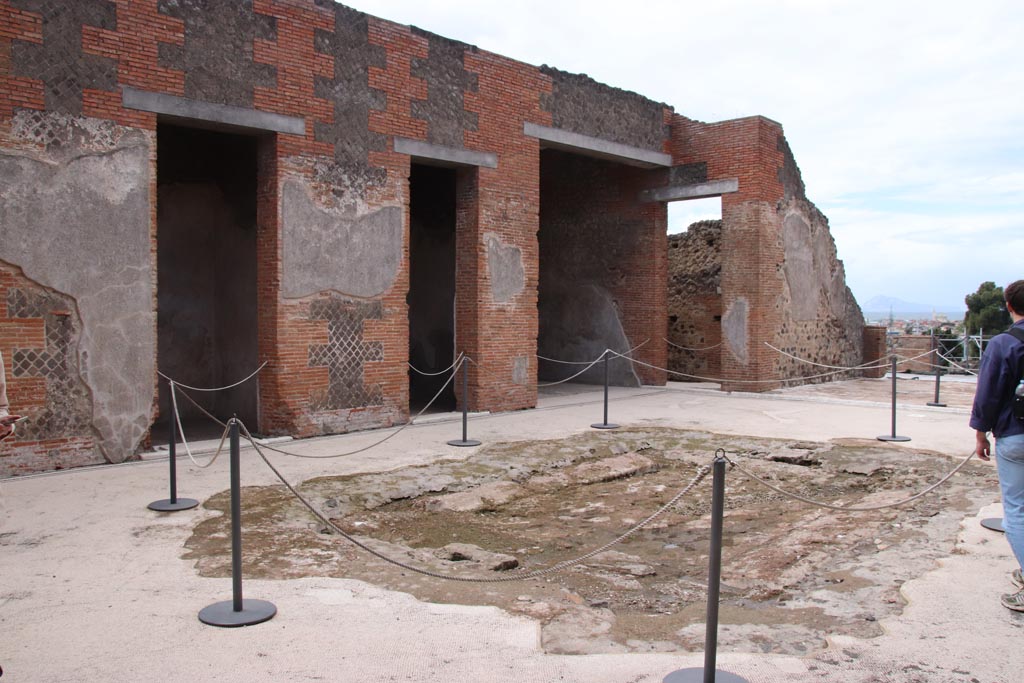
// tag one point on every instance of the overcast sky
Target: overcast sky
(906, 118)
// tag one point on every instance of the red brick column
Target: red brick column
(750, 150)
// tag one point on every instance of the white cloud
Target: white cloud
(905, 117)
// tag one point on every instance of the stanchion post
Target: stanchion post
(709, 674)
(938, 380)
(605, 424)
(465, 441)
(237, 611)
(173, 504)
(892, 436)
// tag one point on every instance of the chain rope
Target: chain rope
(181, 428)
(230, 386)
(845, 508)
(687, 348)
(462, 358)
(702, 472)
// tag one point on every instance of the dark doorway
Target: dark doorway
(431, 285)
(206, 271)
(589, 232)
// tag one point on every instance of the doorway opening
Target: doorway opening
(588, 239)
(695, 288)
(432, 220)
(206, 273)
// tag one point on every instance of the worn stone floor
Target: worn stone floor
(792, 573)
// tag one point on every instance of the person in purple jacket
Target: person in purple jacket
(1001, 370)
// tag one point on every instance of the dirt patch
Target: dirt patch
(792, 573)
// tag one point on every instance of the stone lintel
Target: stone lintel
(556, 138)
(206, 112)
(444, 156)
(713, 188)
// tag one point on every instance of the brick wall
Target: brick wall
(604, 257)
(875, 350)
(783, 288)
(921, 348)
(39, 331)
(337, 358)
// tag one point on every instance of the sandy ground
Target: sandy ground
(94, 586)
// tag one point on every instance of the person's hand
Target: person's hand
(982, 447)
(7, 425)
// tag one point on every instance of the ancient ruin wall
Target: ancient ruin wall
(821, 321)
(695, 300)
(782, 284)
(75, 216)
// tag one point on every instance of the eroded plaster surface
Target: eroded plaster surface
(75, 216)
(347, 248)
(800, 268)
(505, 265)
(734, 328)
(584, 321)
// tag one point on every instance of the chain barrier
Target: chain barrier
(687, 348)
(722, 380)
(587, 362)
(450, 368)
(230, 386)
(844, 508)
(461, 359)
(873, 365)
(702, 472)
(181, 428)
(541, 385)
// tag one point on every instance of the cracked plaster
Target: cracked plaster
(87, 200)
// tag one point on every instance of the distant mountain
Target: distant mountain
(886, 303)
(880, 305)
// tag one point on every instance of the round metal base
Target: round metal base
(166, 505)
(461, 442)
(993, 523)
(697, 676)
(605, 425)
(224, 614)
(889, 437)
(936, 405)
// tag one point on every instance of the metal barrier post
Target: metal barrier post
(173, 504)
(605, 424)
(938, 380)
(893, 437)
(709, 674)
(465, 409)
(236, 612)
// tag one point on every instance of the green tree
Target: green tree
(986, 310)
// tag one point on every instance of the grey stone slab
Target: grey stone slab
(713, 188)
(556, 138)
(448, 155)
(185, 108)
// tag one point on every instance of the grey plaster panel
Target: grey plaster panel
(583, 322)
(185, 108)
(86, 198)
(734, 329)
(799, 268)
(449, 155)
(714, 188)
(520, 370)
(556, 138)
(353, 251)
(505, 266)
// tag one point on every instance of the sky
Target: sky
(905, 117)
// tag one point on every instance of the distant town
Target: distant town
(917, 322)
